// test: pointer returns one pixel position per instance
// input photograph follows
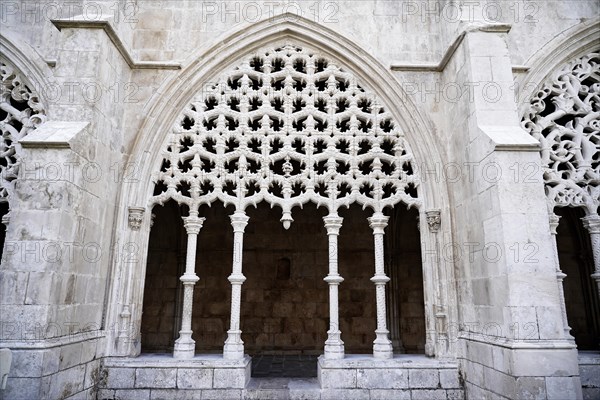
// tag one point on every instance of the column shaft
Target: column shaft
(554, 220)
(382, 346)
(592, 224)
(185, 345)
(334, 346)
(234, 346)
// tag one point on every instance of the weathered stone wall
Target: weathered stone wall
(285, 306)
(79, 210)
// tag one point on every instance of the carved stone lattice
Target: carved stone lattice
(569, 131)
(287, 127)
(20, 113)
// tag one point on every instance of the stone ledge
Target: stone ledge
(401, 372)
(167, 360)
(162, 371)
(406, 361)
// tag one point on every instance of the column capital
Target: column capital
(592, 223)
(6, 220)
(378, 222)
(434, 220)
(554, 220)
(135, 217)
(333, 224)
(239, 220)
(193, 224)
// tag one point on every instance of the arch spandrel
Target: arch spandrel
(287, 125)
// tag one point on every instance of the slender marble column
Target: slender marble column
(560, 276)
(592, 224)
(185, 345)
(234, 346)
(382, 346)
(334, 346)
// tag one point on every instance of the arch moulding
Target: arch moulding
(570, 44)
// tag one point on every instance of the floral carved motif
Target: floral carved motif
(20, 113)
(565, 117)
(288, 127)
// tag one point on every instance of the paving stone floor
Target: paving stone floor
(284, 366)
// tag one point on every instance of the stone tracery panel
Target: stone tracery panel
(287, 127)
(565, 117)
(20, 112)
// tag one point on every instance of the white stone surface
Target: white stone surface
(133, 57)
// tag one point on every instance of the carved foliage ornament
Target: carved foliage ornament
(287, 126)
(135, 217)
(20, 113)
(565, 117)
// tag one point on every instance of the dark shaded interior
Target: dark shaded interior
(581, 295)
(285, 303)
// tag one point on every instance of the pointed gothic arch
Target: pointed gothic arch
(202, 73)
(562, 111)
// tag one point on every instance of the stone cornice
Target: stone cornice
(441, 65)
(82, 23)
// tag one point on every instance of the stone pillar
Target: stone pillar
(334, 347)
(560, 276)
(382, 346)
(185, 345)
(234, 347)
(592, 224)
(434, 221)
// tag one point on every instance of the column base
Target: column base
(234, 346)
(382, 345)
(185, 346)
(334, 346)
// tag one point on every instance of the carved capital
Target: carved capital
(378, 222)
(193, 224)
(554, 220)
(6, 220)
(239, 220)
(333, 224)
(434, 220)
(592, 223)
(135, 217)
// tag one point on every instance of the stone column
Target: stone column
(560, 276)
(234, 347)
(592, 224)
(382, 346)
(185, 345)
(434, 221)
(334, 347)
